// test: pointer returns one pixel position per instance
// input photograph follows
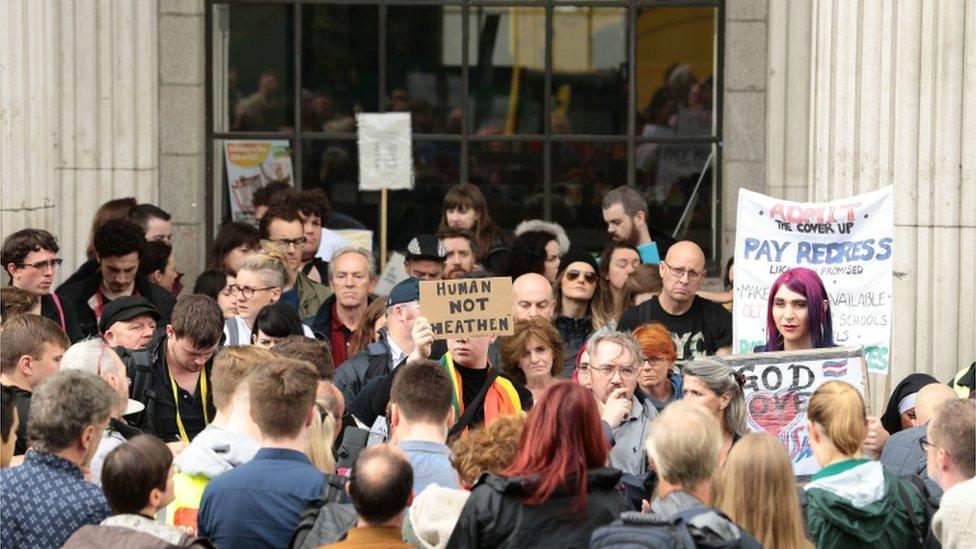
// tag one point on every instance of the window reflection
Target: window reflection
(259, 67)
(510, 176)
(421, 77)
(340, 66)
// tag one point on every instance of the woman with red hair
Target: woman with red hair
(557, 491)
(657, 378)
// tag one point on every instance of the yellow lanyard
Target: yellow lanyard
(176, 401)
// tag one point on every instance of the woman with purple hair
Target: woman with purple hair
(798, 315)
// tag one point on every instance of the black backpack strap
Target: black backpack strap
(308, 267)
(471, 409)
(906, 501)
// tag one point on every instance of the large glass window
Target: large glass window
(544, 104)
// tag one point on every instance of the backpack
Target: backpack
(926, 537)
(686, 530)
(327, 519)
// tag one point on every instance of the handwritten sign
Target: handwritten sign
(468, 307)
(848, 242)
(779, 386)
(385, 151)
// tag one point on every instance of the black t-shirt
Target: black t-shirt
(191, 405)
(702, 330)
(22, 400)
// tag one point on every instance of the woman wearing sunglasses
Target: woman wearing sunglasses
(577, 287)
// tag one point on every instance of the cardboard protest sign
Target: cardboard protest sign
(252, 164)
(848, 242)
(468, 307)
(779, 386)
(385, 151)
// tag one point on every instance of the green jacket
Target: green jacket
(857, 503)
(311, 294)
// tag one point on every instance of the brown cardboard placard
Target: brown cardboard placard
(468, 307)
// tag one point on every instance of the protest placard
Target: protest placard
(385, 151)
(252, 164)
(468, 307)
(848, 242)
(779, 385)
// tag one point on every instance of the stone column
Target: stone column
(78, 109)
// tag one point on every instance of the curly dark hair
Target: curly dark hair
(286, 210)
(118, 237)
(19, 244)
(267, 193)
(528, 253)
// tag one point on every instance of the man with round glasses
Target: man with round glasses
(615, 358)
(282, 226)
(31, 259)
(698, 326)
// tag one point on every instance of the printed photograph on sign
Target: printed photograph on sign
(468, 307)
(778, 387)
(252, 165)
(848, 244)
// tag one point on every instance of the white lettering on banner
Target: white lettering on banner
(848, 242)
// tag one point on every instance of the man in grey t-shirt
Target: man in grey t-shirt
(420, 415)
(615, 358)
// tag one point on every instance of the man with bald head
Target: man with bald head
(381, 488)
(532, 297)
(902, 454)
(699, 327)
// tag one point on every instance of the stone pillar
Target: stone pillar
(78, 109)
(744, 122)
(182, 180)
(869, 94)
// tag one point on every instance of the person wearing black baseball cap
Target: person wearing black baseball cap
(425, 257)
(128, 322)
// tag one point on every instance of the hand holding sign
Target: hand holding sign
(423, 338)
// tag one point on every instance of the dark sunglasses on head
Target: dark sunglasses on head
(574, 274)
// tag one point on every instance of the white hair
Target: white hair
(87, 355)
(554, 229)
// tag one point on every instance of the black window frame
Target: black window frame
(547, 138)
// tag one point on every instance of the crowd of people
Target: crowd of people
(281, 403)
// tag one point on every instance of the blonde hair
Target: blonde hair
(839, 409)
(231, 366)
(759, 464)
(318, 446)
(270, 263)
(685, 442)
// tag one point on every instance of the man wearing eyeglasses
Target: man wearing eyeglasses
(615, 358)
(282, 225)
(951, 460)
(31, 259)
(698, 326)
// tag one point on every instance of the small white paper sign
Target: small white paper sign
(359, 238)
(385, 151)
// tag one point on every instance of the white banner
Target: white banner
(385, 151)
(848, 242)
(778, 387)
(252, 164)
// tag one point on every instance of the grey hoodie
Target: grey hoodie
(214, 451)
